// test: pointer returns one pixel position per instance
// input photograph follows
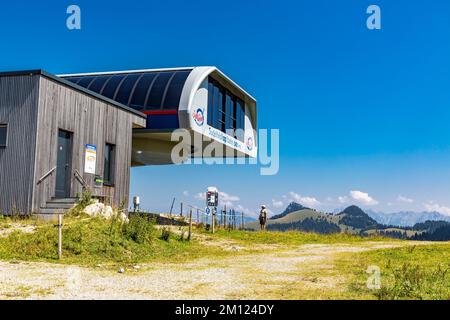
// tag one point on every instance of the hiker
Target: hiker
(262, 218)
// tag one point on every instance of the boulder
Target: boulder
(94, 209)
(106, 212)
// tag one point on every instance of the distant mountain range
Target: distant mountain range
(406, 218)
(354, 220)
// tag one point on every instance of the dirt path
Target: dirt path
(304, 272)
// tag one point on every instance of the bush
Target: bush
(165, 234)
(83, 200)
(139, 229)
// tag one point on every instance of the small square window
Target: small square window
(3, 135)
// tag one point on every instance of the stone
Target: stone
(94, 209)
(107, 212)
(100, 210)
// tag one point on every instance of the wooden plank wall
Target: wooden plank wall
(18, 109)
(91, 121)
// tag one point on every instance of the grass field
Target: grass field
(90, 241)
(227, 264)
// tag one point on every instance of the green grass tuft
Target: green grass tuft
(92, 241)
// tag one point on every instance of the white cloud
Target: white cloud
(343, 199)
(401, 198)
(431, 206)
(306, 201)
(200, 196)
(227, 197)
(363, 198)
(186, 193)
(277, 204)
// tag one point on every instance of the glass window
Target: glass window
(157, 91)
(110, 88)
(240, 119)
(229, 112)
(108, 171)
(219, 119)
(173, 95)
(210, 104)
(225, 110)
(123, 95)
(3, 135)
(140, 92)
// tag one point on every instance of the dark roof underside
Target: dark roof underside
(144, 91)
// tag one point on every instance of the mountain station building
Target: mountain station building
(60, 135)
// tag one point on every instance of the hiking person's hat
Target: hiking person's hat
(263, 206)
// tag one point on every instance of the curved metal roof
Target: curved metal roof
(141, 90)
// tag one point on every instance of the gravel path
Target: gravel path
(277, 274)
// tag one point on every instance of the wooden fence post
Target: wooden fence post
(190, 225)
(213, 218)
(59, 236)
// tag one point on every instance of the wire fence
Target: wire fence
(225, 218)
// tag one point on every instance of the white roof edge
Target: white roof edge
(123, 71)
(234, 83)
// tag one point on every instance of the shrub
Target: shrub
(83, 200)
(165, 234)
(139, 229)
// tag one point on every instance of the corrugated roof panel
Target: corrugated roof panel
(146, 90)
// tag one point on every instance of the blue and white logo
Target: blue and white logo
(208, 211)
(198, 116)
(249, 144)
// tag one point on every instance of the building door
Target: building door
(63, 165)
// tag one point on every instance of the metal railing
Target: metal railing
(46, 175)
(80, 179)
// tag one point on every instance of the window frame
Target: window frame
(4, 125)
(111, 149)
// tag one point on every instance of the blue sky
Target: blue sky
(358, 110)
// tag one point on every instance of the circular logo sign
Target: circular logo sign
(208, 211)
(249, 143)
(198, 116)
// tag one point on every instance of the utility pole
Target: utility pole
(242, 221)
(181, 209)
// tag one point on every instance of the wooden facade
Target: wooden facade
(36, 106)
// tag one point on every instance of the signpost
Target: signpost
(212, 200)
